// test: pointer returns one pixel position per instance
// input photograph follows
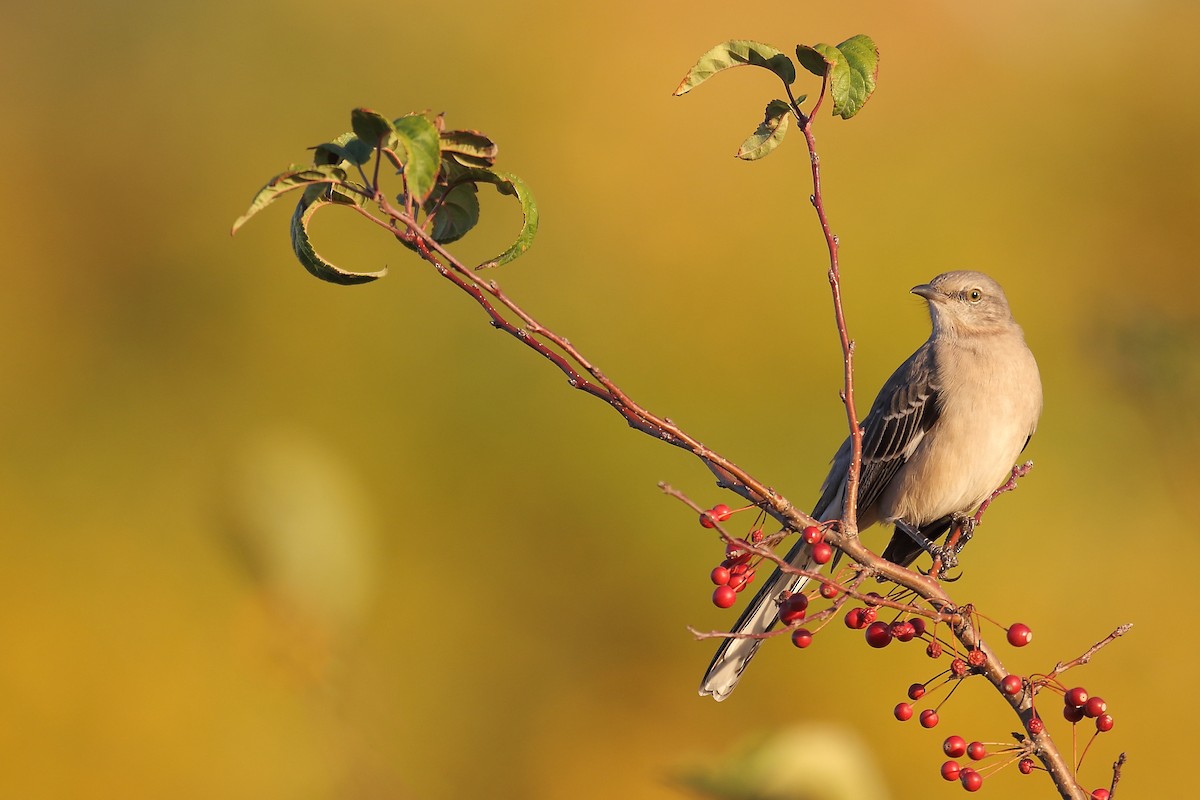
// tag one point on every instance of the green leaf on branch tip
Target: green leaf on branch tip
(286, 182)
(469, 148)
(372, 128)
(817, 58)
(769, 134)
(861, 59)
(737, 53)
(315, 198)
(852, 66)
(418, 138)
(345, 149)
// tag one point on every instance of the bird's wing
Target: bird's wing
(905, 408)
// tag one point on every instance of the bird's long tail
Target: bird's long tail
(760, 616)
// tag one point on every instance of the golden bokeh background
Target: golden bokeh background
(270, 538)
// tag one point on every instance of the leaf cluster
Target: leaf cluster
(440, 171)
(848, 73)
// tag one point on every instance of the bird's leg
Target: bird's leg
(947, 556)
(966, 529)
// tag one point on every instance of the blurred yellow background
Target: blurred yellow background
(270, 538)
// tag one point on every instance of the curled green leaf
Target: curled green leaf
(287, 181)
(469, 148)
(508, 184)
(314, 199)
(737, 53)
(769, 133)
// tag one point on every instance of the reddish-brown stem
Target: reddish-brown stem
(1086, 656)
(850, 501)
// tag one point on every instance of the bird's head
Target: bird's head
(965, 302)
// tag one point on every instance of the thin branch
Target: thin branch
(850, 501)
(1063, 666)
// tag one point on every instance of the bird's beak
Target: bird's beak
(927, 291)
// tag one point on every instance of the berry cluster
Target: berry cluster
(909, 623)
(736, 572)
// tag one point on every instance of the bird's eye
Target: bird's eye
(975, 295)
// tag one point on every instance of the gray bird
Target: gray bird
(942, 435)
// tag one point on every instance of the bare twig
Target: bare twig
(1063, 666)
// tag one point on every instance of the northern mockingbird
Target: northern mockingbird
(941, 436)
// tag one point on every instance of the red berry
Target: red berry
(721, 511)
(934, 649)
(869, 615)
(928, 718)
(822, 552)
(1025, 765)
(916, 691)
(878, 634)
(1019, 634)
(1104, 723)
(813, 534)
(719, 576)
(1035, 725)
(1095, 706)
(1011, 684)
(736, 554)
(802, 638)
(976, 751)
(903, 631)
(724, 596)
(854, 619)
(918, 624)
(955, 746)
(1099, 794)
(1076, 697)
(1072, 714)
(793, 609)
(706, 520)
(976, 658)
(828, 591)
(970, 779)
(959, 668)
(903, 712)
(950, 770)
(756, 536)
(737, 580)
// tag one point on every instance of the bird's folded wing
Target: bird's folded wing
(903, 411)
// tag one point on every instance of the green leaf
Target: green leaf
(454, 210)
(736, 53)
(860, 58)
(286, 182)
(508, 184)
(418, 138)
(346, 149)
(852, 67)
(817, 58)
(314, 199)
(469, 148)
(769, 133)
(372, 128)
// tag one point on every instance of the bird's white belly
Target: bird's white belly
(960, 461)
